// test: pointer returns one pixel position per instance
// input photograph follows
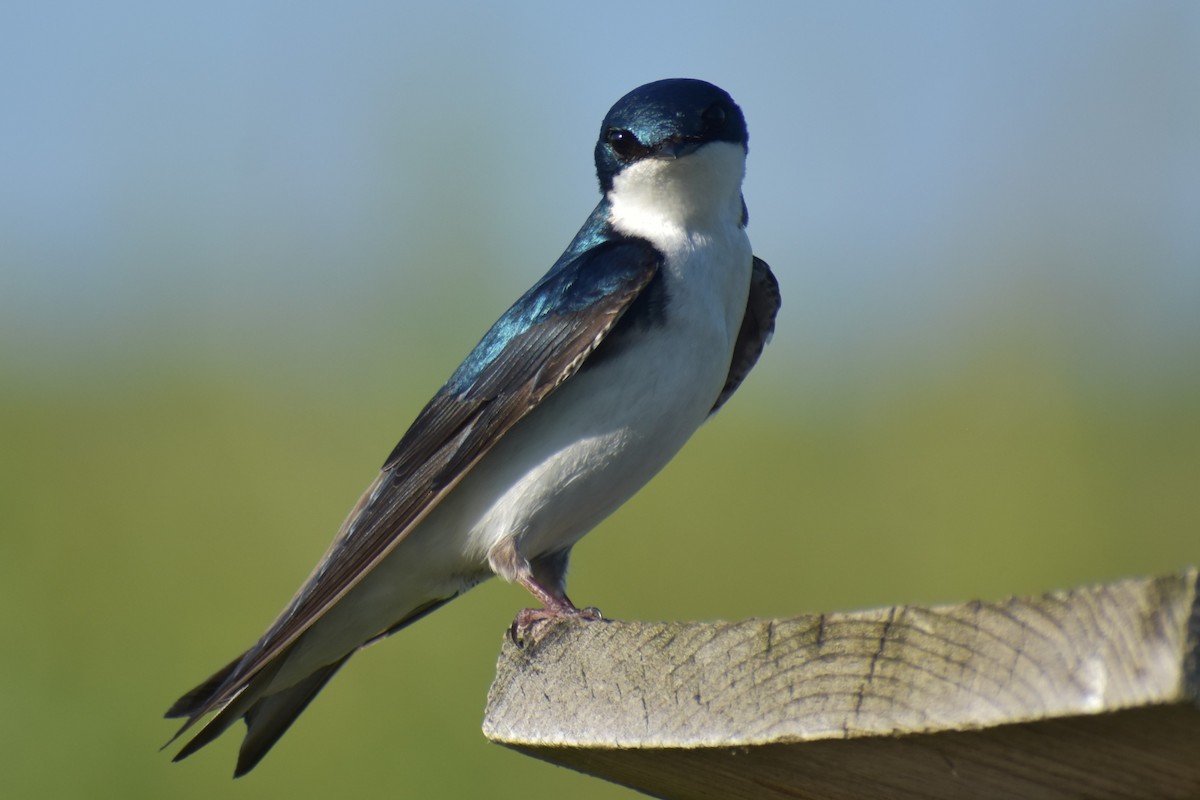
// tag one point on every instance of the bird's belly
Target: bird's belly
(597, 439)
(593, 443)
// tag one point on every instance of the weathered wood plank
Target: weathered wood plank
(1085, 693)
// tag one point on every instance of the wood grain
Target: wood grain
(1084, 693)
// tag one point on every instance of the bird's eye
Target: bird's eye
(713, 117)
(624, 143)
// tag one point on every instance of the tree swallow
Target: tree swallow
(583, 390)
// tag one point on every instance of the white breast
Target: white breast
(608, 430)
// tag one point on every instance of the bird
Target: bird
(574, 399)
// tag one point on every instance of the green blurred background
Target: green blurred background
(241, 244)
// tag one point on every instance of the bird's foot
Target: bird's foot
(531, 624)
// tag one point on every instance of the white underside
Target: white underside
(598, 438)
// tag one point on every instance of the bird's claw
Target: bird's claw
(531, 624)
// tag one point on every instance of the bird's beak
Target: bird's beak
(674, 150)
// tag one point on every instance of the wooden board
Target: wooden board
(1084, 693)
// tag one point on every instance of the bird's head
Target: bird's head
(666, 120)
(673, 153)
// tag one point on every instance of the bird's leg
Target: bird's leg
(556, 605)
(545, 578)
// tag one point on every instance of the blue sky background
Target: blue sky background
(290, 174)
